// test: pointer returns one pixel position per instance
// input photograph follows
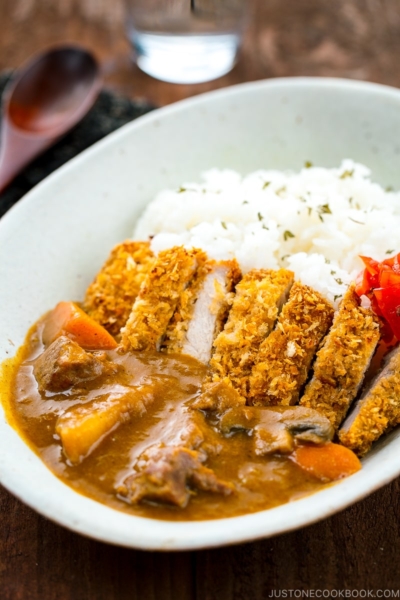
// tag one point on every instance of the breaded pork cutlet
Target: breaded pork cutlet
(109, 299)
(343, 360)
(175, 334)
(202, 311)
(157, 299)
(285, 356)
(377, 411)
(258, 300)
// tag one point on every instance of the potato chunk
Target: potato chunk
(81, 429)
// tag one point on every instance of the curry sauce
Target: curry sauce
(258, 482)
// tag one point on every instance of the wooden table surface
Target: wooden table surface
(358, 549)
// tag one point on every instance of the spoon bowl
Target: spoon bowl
(48, 96)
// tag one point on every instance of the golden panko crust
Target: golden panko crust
(223, 301)
(343, 360)
(377, 412)
(178, 326)
(157, 299)
(285, 356)
(251, 319)
(109, 299)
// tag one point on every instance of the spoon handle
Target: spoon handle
(17, 149)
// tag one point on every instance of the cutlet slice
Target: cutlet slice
(343, 360)
(258, 300)
(157, 299)
(175, 335)
(377, 411)
(202, 312)
(285, 356)
(110, 297)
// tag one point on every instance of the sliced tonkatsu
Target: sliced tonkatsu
(258, 300)
(377, 411)
(285, 356)
(202, 309)
(343, 360)
(175, 335)
(158, 297)
(259, 335)
(110, 297)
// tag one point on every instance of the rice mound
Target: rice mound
(316, 222)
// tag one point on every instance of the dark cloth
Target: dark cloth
(108, 113)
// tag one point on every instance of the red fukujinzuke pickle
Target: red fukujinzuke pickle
(388, 300)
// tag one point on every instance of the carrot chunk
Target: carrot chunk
(328, 462)
(70, 320)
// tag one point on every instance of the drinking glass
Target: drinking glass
(185, 41)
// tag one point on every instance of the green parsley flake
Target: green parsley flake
(308, 164)
(224, 224)
(324, 209)
(389, 251)
(266, 184)
(287, 234)
(347, 174)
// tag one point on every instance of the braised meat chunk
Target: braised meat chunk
(218, 396)
(169, 475)
(65, 364)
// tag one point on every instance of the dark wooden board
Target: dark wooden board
(357, 549)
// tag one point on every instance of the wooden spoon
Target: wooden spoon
(47, 97)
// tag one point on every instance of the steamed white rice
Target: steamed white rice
(316, 222)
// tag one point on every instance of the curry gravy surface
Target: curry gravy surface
(260, 482)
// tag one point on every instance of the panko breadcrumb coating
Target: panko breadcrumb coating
(109, 299)
(157, 299)
(211, 310)
(204, 318)
(285, 356)
(343, 360)
(377, 411)
(177, 328)
(256, 305)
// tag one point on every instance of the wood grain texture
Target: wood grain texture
(357, 549)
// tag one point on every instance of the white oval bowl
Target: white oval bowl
(55, 239)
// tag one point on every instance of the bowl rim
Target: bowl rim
(193, 101)
(133, 531)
